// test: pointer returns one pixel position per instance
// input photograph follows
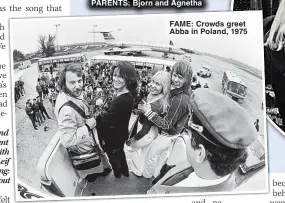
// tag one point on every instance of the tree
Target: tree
(47, 44)
(18, 55)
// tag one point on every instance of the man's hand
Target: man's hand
(91, 122)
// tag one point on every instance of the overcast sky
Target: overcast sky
(147, 28)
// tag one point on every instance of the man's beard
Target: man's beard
(71, 93)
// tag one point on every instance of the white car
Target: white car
(205, 72)
(25, 64)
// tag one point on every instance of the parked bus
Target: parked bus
(154, 64)
(233, 86)
(58, 62)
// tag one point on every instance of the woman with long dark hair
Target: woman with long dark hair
(113, 125)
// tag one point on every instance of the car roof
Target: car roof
(135, 59)
(61, 57)
(206, 66)
(234, 78)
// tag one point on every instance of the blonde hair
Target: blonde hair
(164, 79)
(276, 37)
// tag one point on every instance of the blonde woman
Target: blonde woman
(173, 122)
(275, 57)
(158, 100)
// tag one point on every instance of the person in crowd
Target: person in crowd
(143, 92)
(51, 69)
(275, 57)
(34, 115)
(85, 96)
(56, 88)
(96, 71)
(100, 81)
(76, 130)
(45, 90)
(30, 113)
(42, 86)
(53, 96)
(56, 78)
(173, 122)
(42, 108)
(198, 85)
(206, 85)
(37, 112)
(39, 78)
(21, 86)
(86, 76)
(43, 77)
(158, 99)
(212, 153)
(39, 89)
(113, 124)
(256, 124)
(89, 91)
(52, 79)
(144, 82)
(47, 78)
(17, 92)
(194, 78)
(83, 76)
(52, 84)
(168, 69)
(92, 71)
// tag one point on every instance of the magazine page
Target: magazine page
(141, 100)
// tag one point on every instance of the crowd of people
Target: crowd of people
(94, 107)
(36, 111)
(46, 88)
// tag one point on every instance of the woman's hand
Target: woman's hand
(145, 107)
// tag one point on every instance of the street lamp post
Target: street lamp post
(94, 33)
(119, 34)
(56, 25)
